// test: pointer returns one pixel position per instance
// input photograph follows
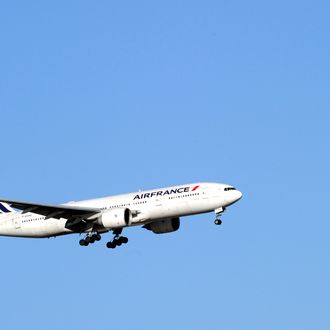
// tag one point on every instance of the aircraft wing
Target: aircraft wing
(53, 211)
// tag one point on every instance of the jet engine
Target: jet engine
(116, 218)
(164, 226)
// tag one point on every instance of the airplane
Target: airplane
(158, 211)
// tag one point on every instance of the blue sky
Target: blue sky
(99, 98)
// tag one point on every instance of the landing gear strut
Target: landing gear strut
(117, 240)
(218, 213)
(90, 239)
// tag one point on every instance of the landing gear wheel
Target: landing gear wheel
(124, 240)
(117, 240)
(110, 245)
(98, 237)
(82, 242)
(218, 222)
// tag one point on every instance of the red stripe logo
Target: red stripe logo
(195, 188)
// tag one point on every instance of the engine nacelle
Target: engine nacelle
(116, 218)
(164, 226)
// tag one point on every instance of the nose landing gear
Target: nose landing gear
(218, 221)
(218, 213)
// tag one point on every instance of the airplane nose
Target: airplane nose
(233, 197)
(239, 195)
(236, 195)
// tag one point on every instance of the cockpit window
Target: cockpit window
(229, 188)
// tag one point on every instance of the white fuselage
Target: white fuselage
(148, 206)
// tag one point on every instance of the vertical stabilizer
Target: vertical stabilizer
(5, 209)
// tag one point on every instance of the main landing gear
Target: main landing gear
(90, 239)
(117, 240)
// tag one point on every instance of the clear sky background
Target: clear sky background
(104, 97)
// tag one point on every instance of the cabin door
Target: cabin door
(17, 223)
